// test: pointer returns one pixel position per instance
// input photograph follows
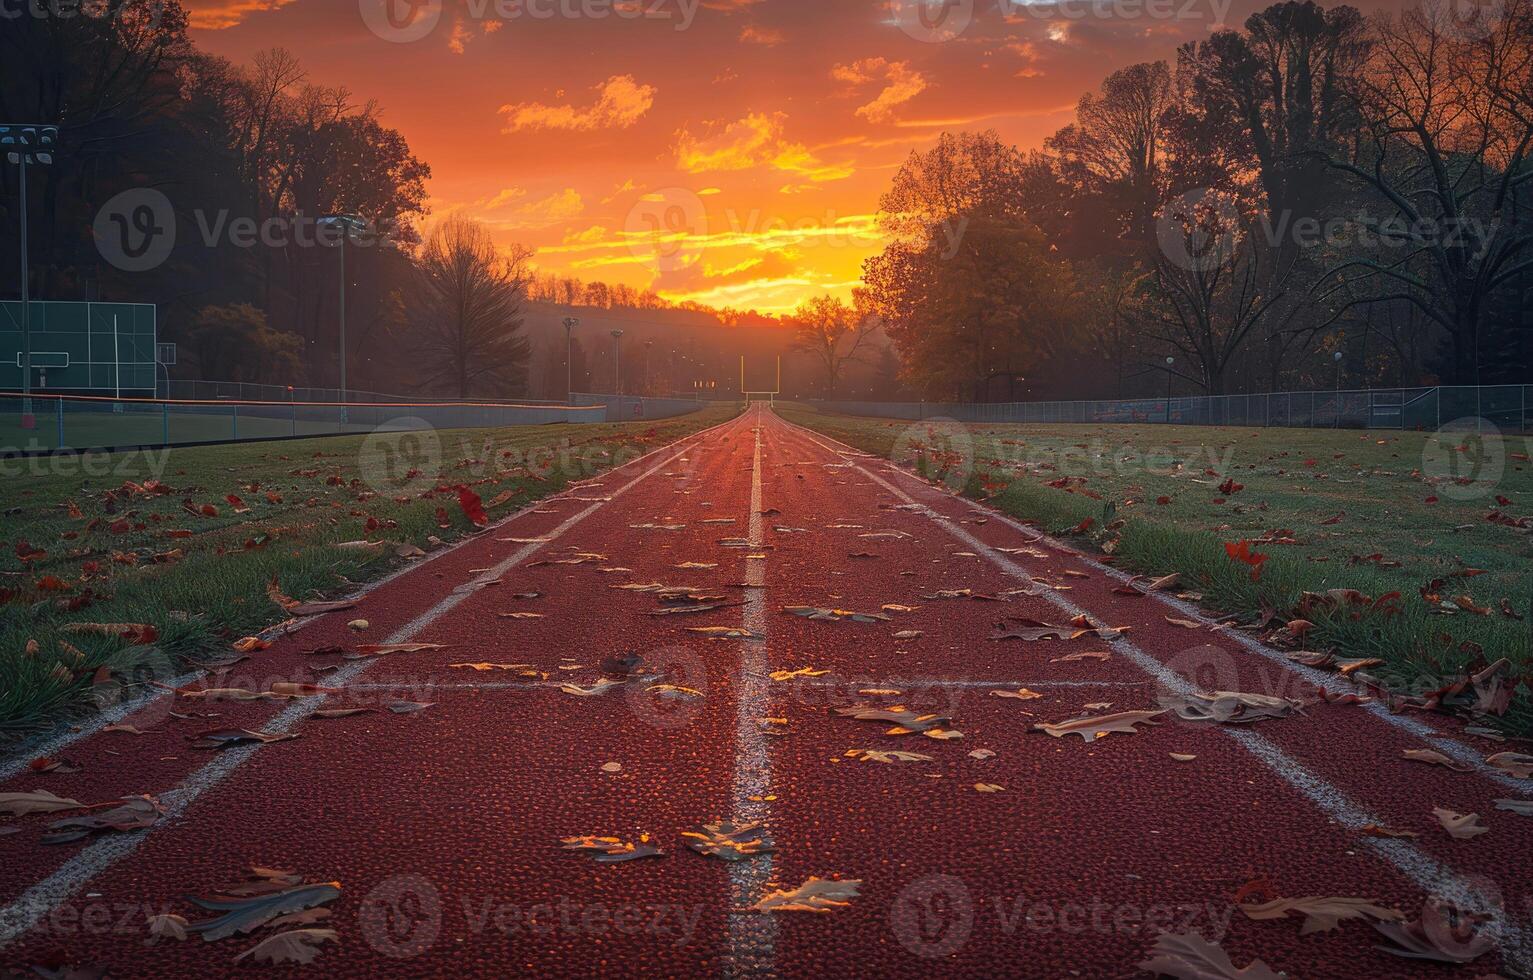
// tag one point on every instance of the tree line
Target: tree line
(1316, 183)
(257, 146)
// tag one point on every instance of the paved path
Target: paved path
(443, 826)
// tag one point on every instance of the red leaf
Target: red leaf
(473, 507)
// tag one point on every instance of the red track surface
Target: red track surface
(443, 826)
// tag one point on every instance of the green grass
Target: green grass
(201, 580)
(1162, 484)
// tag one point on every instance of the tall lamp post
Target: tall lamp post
(1170, 363)
(346, 222)
(27, 144)
(1337, 358)
(570, 323)
(617, 374)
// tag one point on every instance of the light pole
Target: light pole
(570, 323)
(1170, 363)
(617, 374)
(1337, 358)
(346, 222)
(32, 144)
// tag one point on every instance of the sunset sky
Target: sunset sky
(730, 152)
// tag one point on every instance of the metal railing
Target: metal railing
(198, 390)
(1506, 407)
(79, 422)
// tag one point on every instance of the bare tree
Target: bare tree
(470, 327)
(832, 332)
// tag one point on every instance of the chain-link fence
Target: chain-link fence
(1504, 406)
(58, 422)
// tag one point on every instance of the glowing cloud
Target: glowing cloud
(621, 103)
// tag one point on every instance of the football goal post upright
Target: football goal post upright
(771, 396)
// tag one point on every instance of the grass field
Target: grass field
(92, 538)
(1374, 511)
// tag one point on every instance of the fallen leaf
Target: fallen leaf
(1521, 807)
(835, 615)
(1321, 914)
(1433, 757)
(990, 787)
(1443, 934)
(166, 927)
(1094, 727)
(982, 754)
(1460, 826)
(41, 801)
(409, 707)
(1182, 756)
(294, 946)
(729, 841)
(384, 649)
(1021, 694)
(242, 915)
(230, 737)
(612, 850)
(1515, 764)
(1233, 707)
(814, 895)
(883, 755)
(1188, 956)
(135, 813)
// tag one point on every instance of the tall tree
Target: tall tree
(471, 319)
(830, 331)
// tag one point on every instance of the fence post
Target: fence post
(293, 408)
(165, 423)
(235, 418)
(60, 404)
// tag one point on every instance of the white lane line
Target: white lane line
(752, 935)
(1406, 857)
(1459, 751)
(50, 893)
(16, 759)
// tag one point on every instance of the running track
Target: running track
(443, 827)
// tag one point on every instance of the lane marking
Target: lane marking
(16, 759)
(1414, 863)
(43, 897)
(1460, 751)
(752, 935)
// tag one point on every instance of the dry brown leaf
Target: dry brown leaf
(1435, 758)
(990, 787)
(1098, 726)
(1515, 764)
(295, 946)
(42, 801)
(1234, 707)
(1461, 826)
(814, 895)
(886, 755)
(1443, 934)
(1021, 694)
(1188, 956)
(729, 841)
(1322, 914)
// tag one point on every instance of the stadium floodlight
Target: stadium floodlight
(346, 222)
(570, 323)
(26, 144)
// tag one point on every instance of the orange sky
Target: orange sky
(726, 151)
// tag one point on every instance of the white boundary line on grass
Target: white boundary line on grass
(47, 895)
(1426, 871)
